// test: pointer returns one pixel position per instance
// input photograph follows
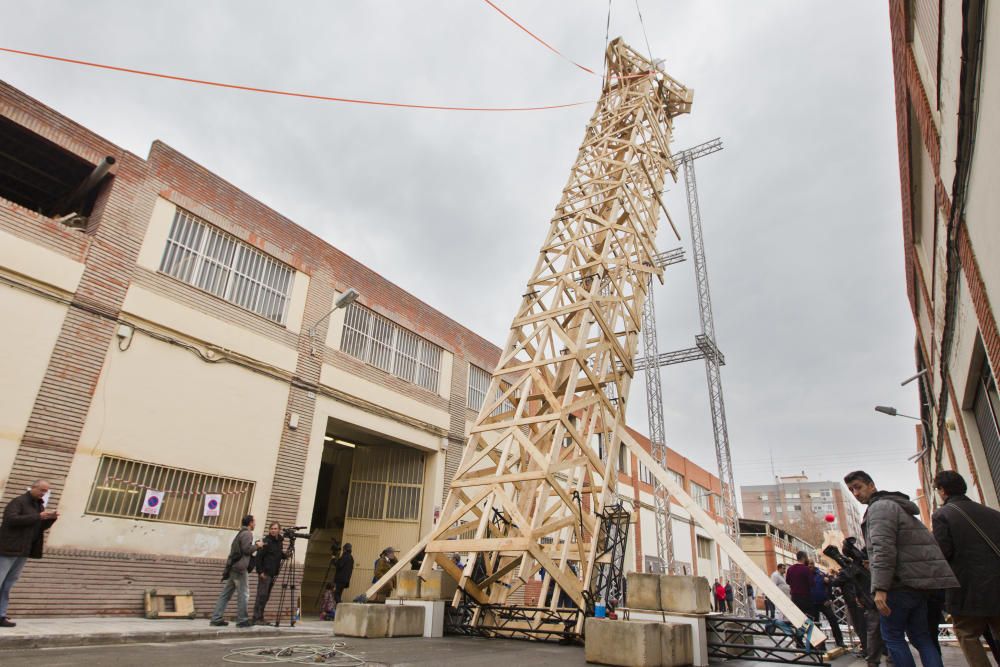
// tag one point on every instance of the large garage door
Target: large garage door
(383, 506)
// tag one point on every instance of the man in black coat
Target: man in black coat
(344, 568)
(25, 520)
(969, 535)
(269, 558)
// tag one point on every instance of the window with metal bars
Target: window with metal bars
(386, 484)
(379, 341)
(220, 264)
(479, 387)
(120, 488)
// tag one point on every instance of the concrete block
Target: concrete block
(438, 586)
(623, 643)
(405, 621)
(676, 645)
(361, 620)
(643, 590)
(407, 585)
(684, 595)
(433, 615)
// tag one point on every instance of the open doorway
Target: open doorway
(370, 494)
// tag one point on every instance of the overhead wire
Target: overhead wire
(286, 93)
(644, 35)
(540, 40)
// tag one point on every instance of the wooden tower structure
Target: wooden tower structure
(539, 469)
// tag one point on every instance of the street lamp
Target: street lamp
(892, 412)
(343, 301)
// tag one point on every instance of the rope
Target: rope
(540, 40)
(286, 93)
(644, 35)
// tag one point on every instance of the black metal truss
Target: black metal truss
(760, 639)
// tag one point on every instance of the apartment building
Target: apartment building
(796, 504)
(769, 546)
(943, 55)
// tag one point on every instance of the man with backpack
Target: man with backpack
(969, 536)
(235, 576)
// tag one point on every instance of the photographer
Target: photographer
(268, 564)
(25, 521)
(344, 569)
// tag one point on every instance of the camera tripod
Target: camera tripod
(288, 585)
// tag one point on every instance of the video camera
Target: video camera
(290, 533)
(854, 578)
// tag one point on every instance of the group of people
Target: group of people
(911, 576)
(911, 567)
(723, 595)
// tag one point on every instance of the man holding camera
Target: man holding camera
(269, 557)
(235, 576)
(25, 521)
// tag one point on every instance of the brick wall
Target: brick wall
(68, 582)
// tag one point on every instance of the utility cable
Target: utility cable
(286, 93)
(540, 40)
(644, 35)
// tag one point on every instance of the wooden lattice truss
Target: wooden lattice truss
(531, 481)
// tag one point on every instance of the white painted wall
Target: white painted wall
(160, 404)
(26, 342)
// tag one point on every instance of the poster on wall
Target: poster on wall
(152, 502)
(212, 503)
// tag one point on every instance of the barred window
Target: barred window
(381, 342)
(479, 387)
(386, 484)
(120, 487)
(220, 264)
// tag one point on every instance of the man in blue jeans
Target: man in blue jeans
(906, 564)
(25, 521)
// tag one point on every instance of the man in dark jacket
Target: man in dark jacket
(344, 568)
(236, 577)
(25, 520)
(799, 579)
(974, 558)
(906, 564)
(269, 557)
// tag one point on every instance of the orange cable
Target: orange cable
(286, 93)
(540, 40)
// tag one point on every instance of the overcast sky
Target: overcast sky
(801, 210)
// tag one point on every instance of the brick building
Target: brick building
(945, 58)
(166, 332)
(795, 502)
(768, 545)
(168, 336)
